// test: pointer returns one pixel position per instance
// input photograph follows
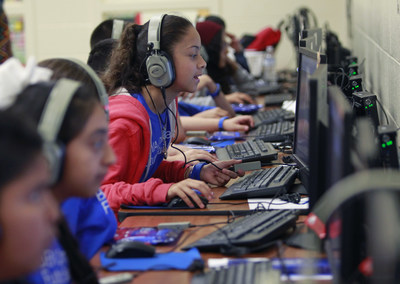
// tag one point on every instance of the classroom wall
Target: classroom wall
(376, 38)
(59, 28)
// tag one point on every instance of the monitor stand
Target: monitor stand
(306, 239)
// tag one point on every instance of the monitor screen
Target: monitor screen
(307, 115)
(340, 140)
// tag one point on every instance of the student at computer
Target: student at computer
(99, 60)
(83, 140)
(92, 216)
(234, 42)
(214, 105)
(28, 210)
(143, 115)
(232, 77)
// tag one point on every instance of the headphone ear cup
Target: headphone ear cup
(160, 69)
(55, 154)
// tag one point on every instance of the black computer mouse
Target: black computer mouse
(198, 141)
(130, 249)
(178, 202)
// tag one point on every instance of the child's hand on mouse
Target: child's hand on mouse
(184, 189)
(238, 123)
(213, 175)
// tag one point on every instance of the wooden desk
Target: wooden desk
(192, 234)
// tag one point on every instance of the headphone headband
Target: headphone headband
(55, 108)
(50, 123)
(98, 83)
(118, 27)
(154, 34)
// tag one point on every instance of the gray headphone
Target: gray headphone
(117, 28)
(50, 123)
(98, 83)
(53, 116)
(159, 66)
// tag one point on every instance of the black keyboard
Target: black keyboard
(262, 183)
(248, 151)
(271, 116)
(273, 132)
(243, 273)
(252, 230)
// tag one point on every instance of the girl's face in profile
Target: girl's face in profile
(189, 64)
(28, 215)
(87, 158)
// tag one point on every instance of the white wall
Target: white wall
(375, 26)
(60, 28)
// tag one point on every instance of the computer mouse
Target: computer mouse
(130, 249)
(178, 202)
(198, 141)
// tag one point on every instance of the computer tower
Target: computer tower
(354, 85)
(365, 106)
(387, 141)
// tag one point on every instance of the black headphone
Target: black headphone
(159, 66)
(50, 123)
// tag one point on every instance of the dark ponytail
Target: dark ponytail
(79, 267)
(125, 69)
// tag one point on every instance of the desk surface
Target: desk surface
(192, 234)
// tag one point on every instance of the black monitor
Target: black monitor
(310, 115)
(346, 246)
(340, 138)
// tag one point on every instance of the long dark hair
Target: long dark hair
(128, 61)
(20, 144)
(218, 74)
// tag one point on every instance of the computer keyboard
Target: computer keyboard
(242, 273)
(252, 230)
(248, 151)
(273, 132)
(271, 116)
(262, 183)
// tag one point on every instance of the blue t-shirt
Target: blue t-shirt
(93, 224)
(187, 109)
(160, 138)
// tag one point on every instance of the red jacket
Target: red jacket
(130, 136)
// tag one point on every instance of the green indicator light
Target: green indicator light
(383, 145)
(354, 73)
(389, 143)
(366, 107)
(371, 105)
(357, 86)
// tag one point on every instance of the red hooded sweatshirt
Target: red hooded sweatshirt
(130, 138)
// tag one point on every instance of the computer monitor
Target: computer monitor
(346, 244)
(311, 112)
(340, 139)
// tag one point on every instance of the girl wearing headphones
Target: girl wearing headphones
(28, 211)
(151, 66)
(82, 140)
